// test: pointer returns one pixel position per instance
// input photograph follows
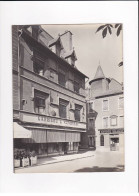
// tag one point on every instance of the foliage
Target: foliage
(108, 28)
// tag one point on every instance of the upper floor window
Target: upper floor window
(39, 102)
(39, 69)
(63, 108)
(91, 106)
(105, 122)
(76, 87)
(113, 120)
(91, 123)
(61, 79)
(120, 102)
(105, 105)
(77, 112)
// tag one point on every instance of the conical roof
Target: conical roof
(99, 73)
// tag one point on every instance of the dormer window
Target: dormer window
(76, 87)
(38, 69)
(53, 48)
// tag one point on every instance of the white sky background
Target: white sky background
(91, 48)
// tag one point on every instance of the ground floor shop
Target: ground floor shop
(47, 142)
(110, 139)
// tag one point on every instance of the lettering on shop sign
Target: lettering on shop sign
(57, 121)
(111, 130)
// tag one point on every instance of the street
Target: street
(89, 161)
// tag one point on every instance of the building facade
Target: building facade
(106, 101)
(48, 92)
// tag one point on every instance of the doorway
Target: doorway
(114, 144)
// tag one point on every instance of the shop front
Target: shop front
(111, 139)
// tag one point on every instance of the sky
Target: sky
(91, 49)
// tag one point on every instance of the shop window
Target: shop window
(105, 105)
(102, 140)
(61, 79)
(77, 112)
(120, 102)
(39, 102)
(63, 108)
(105, 122)
(70, 145)
(76, 87)
(113, 120)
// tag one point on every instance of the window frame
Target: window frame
(103, 105)
(119, 103)
(74, 85)
(59, 79)
(77, 108)
(64, 103)
(40, 96)
(112, 117)
(103, 121)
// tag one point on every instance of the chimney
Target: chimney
(66, 39)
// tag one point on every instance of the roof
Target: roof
(99, 73)
(69, 53)
(26, 36)
(54, 41)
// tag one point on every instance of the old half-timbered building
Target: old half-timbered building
(49, 109)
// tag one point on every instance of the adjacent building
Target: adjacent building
(49, 108)
(105, 114)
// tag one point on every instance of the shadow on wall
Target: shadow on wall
(118, 168)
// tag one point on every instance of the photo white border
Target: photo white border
(77, 12)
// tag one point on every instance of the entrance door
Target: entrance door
(114, 144)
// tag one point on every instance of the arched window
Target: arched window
(102, 140)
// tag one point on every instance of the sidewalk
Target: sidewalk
(62, 158)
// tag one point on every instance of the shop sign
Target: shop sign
(111, 130)
(53, 121)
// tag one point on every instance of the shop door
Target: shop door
(114, 144)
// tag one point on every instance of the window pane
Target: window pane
(77, 114)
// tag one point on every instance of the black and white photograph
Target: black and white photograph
(68, 98)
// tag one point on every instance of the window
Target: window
(102, 140)
(105, 122)
(61, 79)
(63, 108)
(91, 106)
(121, 121)
(121, 103)
(113, 120)
(105, 105)
(39, 102)
(77, 112)
(91, 124)
(39, 69)
(76, 87)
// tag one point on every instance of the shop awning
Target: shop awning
(21, 132)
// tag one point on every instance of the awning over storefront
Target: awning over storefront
(21, 132)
